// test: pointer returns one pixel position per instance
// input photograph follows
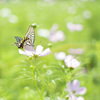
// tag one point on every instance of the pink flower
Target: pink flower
(78, 51)
(74, 27)
(53, 35)
(74, 88)
(29, 51)
(57, 36)
(60, 55)
(71, 62)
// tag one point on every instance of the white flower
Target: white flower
(71, 62)
(29, 51)
(60, 55)
(74, 27)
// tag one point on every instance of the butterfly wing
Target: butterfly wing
(30, 35)
(18, 39)
(18, 43)
(28, 40)
(27, 43)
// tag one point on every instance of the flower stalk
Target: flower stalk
(34, 79)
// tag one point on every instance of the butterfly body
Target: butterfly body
(27, 40)
(20, 44)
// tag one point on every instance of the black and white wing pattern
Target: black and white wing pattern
(28, 40)
(30, 36)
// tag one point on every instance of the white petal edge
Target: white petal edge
(80, 98)
(82, 90)
(22, 52)
(25, 53)
(39, 49)
(46, 52)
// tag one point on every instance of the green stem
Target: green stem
(33, 72)
(36, 84)
(45, 83)
(68, 79)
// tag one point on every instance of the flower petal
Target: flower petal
(68, 61)
(60, 55)
(53, 38)
(71, 62)
(27, 53)
(21, 51)
(72, 97)
(46, 52)
(82, 90)
(78, 51)
(80, 98)
(75, 63)
(60, 35)
(39, 49)
(69, 57)
(69, 87)
(76, 85)
(29, 48)
(54, 28)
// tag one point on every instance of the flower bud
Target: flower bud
(26, 88)
(34, 25)
(32, 67)
(50, 45)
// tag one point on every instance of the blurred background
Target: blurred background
(77, 19)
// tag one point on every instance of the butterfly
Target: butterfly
(28, 39)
